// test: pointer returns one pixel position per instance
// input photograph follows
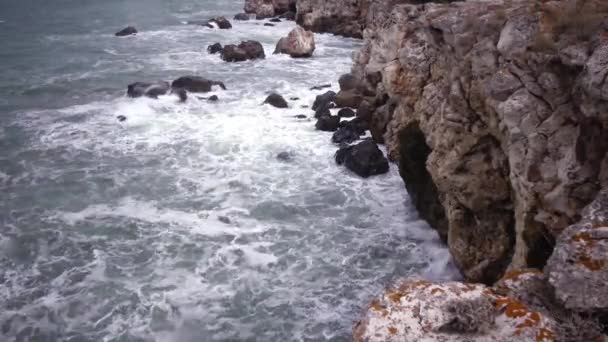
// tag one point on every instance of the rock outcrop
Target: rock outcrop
(365, 159)
(196, 84)
(269, 8)
(298, 43)
(247, 50)
(497, 114)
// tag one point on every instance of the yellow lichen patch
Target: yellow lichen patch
(545, 335)
(392, 330)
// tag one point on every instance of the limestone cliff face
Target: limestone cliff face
(497, 113)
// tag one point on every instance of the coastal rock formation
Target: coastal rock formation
(298, 43)
(418, 310)
(246, 50)
(497, 114)
(365, 159)
(269, 8)
(196, 84)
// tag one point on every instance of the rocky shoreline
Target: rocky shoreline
(496, 114)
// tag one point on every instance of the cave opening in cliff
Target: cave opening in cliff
(414, 152)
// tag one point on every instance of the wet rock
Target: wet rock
(348, 82)
(320, 87)
(285, 156)
(152, 90)
(365, 159)
(328, 123)
(269, 24)
(294, 98)
(348, 98)
(275, 20)
(300, 116)
(324, 100)
(346, 113)
(345, 135)
(181, 93)
(276, 100)
(365, 111)
(196, 84)
(213, 98)
(215, 48)
(323, 111)
(241, 16)
(246, 50)
(288, 16)
(121, 118)
(298, 43)
(221, 22)
(127, 31)
(224, 219)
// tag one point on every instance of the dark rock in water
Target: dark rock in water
(323, 111)
(245, 50)
(348, 82)
(121, 118)
(276, 100)
(346, 113)
(324, 100)
(349, 98)
(294, 98)
(328, 123)
(224, 219)
(182, 94)
(196, 84)
(127, 31)
(275, 20)
(365, 159)
(358, 125)
(221, 22)
(285, 156)
(300, 116)
(365, 111)
(289, 15)
(322, 86)
(345, 135)
(215, 48)
(241, 16)
(213, 98)
(269, 24)
(304, 106)
(152, 90)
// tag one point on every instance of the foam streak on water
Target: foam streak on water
(180, 224)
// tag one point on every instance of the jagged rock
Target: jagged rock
(578, 268)
(365, 159)
(328, 123)
(127, 31)
(196, 84)
(324, 100)
(152, 90)
(298, 43)
(348, 98)
(241, 16)
(221, 23)
(494, 136)
(246, 50)
(276, 100)
(215, 48)
(346, 113)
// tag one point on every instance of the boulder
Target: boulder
(196, 84)
(241, 16)
(213, 98)
(346, 113)
(349, 98)
(358, 125)
(215, 48)
(365, 111)
(365, 159)
(246, 50)
(324, 100)
(298, 43)
(348, 82)
(276, 100)
(127, 31)
(328, 123)
(220, 22)
(345, 135)
(152, 90)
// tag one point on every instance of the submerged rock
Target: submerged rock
(241, 16)
(298, 43)
(127, 31)
(246, 50)
(215, 48)
(300, 116)
(196, 84)
(152, 90)
(365, 159)
(285, 156)
(121, 118)
(221, 23)
(275, 20)
(269, 24)
(213, 98)
(276, 100)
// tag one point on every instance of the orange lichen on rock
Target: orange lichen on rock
(436, 291)
(515, 275)
(584, 258)
(590, 263)
(392, 330)
(512, 307)
(545, 335)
